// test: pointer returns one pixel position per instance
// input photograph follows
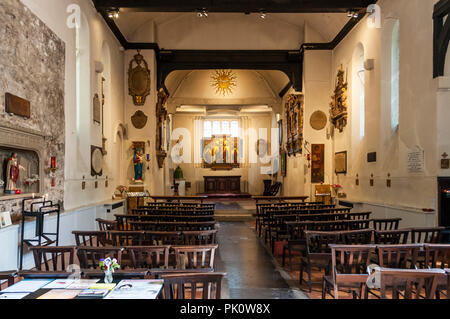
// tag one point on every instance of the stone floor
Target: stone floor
(252, 273)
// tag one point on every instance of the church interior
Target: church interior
(279, 149)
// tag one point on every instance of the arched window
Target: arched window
(395, 76)
(358, 93)
(362, 104)
(83, 92)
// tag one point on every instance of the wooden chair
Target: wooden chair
(53, 258)
(349, 269)
(318, 254)
(89, 257)
(438, 256)
(409, 281)
(162, 238)
(195, 257)
(296, 240)
(126, 238)
(149, 256)
(356, 237)
(105, 225)
(359, 216)
(391, 237)
(385, 223)
(193, 286)
(201, 237)
(398, 256)
(426, 235)
(8, 276)
(90, 238)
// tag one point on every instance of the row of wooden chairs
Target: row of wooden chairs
(398, 273)
(144, 238)
(316, 252)
(58, 258)
(123, 220)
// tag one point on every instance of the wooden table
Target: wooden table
(279, 198)
(38, 293)
(222, 184)
(179, 198)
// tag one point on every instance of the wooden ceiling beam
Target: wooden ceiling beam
(244, 6)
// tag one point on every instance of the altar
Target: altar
(222, 184)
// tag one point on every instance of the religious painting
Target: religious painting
(138, 161)
(340, 162)
(338, 105)
(317, 163)
(221, 152)
(294, 116)
(283, 165)
(139, 79)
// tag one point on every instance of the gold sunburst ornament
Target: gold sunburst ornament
(223, 81)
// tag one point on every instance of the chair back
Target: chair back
(391, 237)
(9, 276)
(53, 258)
(193, 286)
(385, 223)
(317, 242)
(414, 282)
(398, 256)
(359, 216)
(349, 264)
(195, 257)
(356, 237)
(90, 238)
(89, 257)
(148, 256)
(437, 256)
(200, 237)
(162, 238)
(426, 235)
(105, 225)
(121, 238)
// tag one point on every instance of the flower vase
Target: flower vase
(108, 277)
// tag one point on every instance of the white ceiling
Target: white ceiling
(327, 25)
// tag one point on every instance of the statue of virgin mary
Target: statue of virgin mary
(12, 174)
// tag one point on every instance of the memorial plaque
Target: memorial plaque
(416, 161)
(17, 105)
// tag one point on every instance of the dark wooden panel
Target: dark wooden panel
(222, 184)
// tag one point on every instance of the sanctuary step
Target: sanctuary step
(234, 210)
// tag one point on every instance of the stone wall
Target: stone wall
(32, 66)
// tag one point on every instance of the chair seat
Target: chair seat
(329, 280)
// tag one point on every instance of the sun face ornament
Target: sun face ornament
(223, 81)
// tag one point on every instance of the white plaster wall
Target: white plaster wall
(418, 113)
(54, 14)
(154, 177)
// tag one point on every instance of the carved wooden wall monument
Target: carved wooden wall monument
(139, 79)
(338, 105)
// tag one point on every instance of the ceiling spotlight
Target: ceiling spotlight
(113, 13)
(203, 13)
(263, 14)
(352, 14)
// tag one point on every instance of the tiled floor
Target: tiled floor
(252, 272)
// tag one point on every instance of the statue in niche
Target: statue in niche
(138, 161)
(12, 174)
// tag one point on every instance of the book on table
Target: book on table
(28, 285)
(60, 294)
(93, 293)
(59, 284)
(82, 284)
(14, 295)
(136, 289)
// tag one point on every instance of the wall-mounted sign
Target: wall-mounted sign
(416, 161)
(17, 105)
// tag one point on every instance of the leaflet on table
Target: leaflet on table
(60, 284)
(82, 284)
(94, 293)
(102, 286)
(60, 294)
(28, 285)
(136, 289)
(14, 295)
